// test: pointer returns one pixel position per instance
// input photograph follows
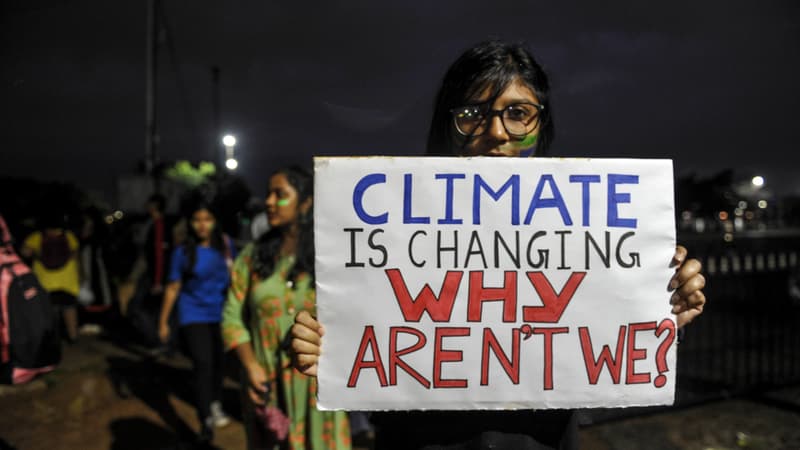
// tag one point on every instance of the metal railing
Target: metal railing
(748, 338)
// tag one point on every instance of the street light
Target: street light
(229, 141)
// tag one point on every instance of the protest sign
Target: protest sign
(487, 283)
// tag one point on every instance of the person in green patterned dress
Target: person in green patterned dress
(272, 280)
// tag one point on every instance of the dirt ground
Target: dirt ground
(104, 396)
(721, 425)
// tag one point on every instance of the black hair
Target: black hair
(203, 197)
(268, 245)
(99, 230)
(158, 200)
(52, 217)
(493, 65)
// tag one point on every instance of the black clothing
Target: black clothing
(468, 430)
(204, 345)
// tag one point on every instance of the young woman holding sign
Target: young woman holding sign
(494, 101)
(272, 280)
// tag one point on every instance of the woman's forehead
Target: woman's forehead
(514, 91)
(202, 212)
(278, 179)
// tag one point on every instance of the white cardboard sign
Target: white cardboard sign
(494, 283)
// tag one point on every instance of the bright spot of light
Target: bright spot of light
(758, 181)
(728, 237)
(231, 163)
(723, 215)
(699, 224)
(762, 204)
(118, 214)
(229, 140)
(738, 224)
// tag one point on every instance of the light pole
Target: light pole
(229, 141)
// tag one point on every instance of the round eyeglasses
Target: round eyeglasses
(519, 119)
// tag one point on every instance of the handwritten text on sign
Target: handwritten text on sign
(469, 283)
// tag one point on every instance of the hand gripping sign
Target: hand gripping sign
(488, 283)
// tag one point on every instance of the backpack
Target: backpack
(55, 251)
(29, 338)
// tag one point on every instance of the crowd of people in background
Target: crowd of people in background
(158, 283)
(52, 252)
(257, 298)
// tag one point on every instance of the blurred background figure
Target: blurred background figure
(145, 284)
(29, 341)
(198, 278)
(273, 279)
(259, 224)
(95, 295)
(157, 246)
(256, 219)
(53, 252)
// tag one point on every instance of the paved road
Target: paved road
(104, 396)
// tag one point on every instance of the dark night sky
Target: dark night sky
(710, 84)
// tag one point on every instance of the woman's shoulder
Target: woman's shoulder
(72, 240)
(244, 257)
(179, 251)
(247, 249)
(33, 240)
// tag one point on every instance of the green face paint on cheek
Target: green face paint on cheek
(283, 202)
(529, 141)
(528, 145)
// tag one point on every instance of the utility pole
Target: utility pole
(216, 155)
(151, 132)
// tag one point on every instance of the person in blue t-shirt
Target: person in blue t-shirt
(198, 278)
